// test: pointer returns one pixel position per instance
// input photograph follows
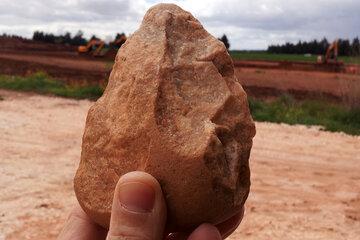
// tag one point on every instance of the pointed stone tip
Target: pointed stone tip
(162, 10)
(165, 6)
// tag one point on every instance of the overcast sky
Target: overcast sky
(249, 24)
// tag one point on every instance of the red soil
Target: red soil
(315, 83)
(259, 78)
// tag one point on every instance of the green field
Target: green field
(41, 83)
(263, 55)
(285, 109)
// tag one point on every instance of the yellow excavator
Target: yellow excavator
(330, 61)
(97, 47)
(332, 52)
(93, 48)
(331, 55)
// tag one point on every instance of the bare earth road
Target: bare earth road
(305, 182)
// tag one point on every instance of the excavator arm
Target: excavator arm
(332, 52)
(94, 47)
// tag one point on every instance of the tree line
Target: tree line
(345, 46)
(5, 35)
(76, 40)
(66, 38)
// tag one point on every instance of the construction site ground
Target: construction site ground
(259, 78)
(305, 182)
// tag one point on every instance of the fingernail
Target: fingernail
(137, 197)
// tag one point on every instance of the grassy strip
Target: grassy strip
(41, 83)
(262, 55)
(240, 55)
(334, 118)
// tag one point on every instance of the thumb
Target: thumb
(138, 209)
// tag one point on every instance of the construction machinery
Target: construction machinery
(331, 55)
(330, 61)
(94, 48)
(332, 52)
(98, 48)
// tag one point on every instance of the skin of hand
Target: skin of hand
(139, 212)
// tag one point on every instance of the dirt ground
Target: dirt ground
(328, 83)
(23, 57)
(71, 70)
(305, 182)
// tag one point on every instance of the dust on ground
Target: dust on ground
(305, 182)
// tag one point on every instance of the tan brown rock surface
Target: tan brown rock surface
(174, 109)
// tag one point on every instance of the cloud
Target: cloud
(249, 24)
(257, 23)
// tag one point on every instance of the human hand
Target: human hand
(139, 212)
